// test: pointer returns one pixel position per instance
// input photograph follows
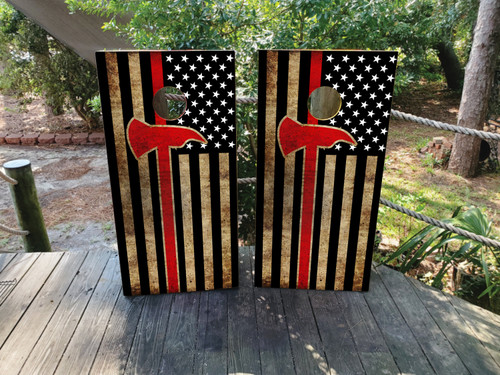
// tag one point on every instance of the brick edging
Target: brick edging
(96, 138)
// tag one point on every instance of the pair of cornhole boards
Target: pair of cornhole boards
(170, 127)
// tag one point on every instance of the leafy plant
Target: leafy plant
(452, 249)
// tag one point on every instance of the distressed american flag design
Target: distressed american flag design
(316, 214)
(174, 182)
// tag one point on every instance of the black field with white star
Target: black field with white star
(207, 80)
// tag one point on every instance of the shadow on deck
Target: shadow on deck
(64, 313)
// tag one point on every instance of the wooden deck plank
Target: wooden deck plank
(434, 344)
(212, 343)
(483, 323)
(52, 343)
(370, 343)
(29, 283)
(398, 336)
(36, 317)
(115, 347)
(84, 344)
(471, 351)
(307, 348)
(243, 343)
(5, 259)
(274, 341)
(336, 336)
(149, 336)
(182, 331)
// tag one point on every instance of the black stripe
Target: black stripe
(233, 186)
(216, 219)
(279, 169)
(373, 221)
(149, 116)
(194, 167)
(338, 193)
(113, 170)
(318, 207)
(261, 127)
(357, 200)
(179, 224)
(133, 171)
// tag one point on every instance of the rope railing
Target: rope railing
(10, 180)
(16, 232)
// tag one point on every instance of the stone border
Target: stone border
(47, 139)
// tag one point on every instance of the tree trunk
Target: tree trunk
(451, 66)
(477, 88)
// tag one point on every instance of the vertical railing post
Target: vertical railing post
(29, 213)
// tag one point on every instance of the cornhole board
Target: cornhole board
(319, 177)
(173, 174)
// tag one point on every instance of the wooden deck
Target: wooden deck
(65, 314)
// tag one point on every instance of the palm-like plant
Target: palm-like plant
(451, 249)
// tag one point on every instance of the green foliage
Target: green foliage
(450, 249)
(35, 63)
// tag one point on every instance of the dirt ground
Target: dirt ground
(73, 182)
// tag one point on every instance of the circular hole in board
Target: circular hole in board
(324, 103)
(169, 103)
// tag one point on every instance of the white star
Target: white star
(222, 67)
(189, 146)
(364, 105)
(377, 59)
(201, 94)
(186, 94)
(379, 105)
(209, 120)
(352, 68)
(170, 77)
(348, 121)
(199, 58)
(231, 144)
(390, 78)
(177, 67)
(231, 128)
(341, 113)
(192, 68)
(388, 96)
(368, 68)
(373, 96)
(202, 128)
(202, 111)
(229, 58)
(203, 145)
(185, 77)
(366, 86)
(361, 58)
(224, 120)
(362, 122)
(223, 103)
(215, 76)
(386, 114)
(369, 131)
(223, 85)
(328, 77)
(357, 95)
(216, 94)
(335, 86)
(178, 86)
(201, 76)
(230, 94)
(345, 58)
(383, 131)
(381, 148)
(184, 58)
(361, 139)
(350, 87)
(224, 136)
(209, 103)
(336, 68)
(367, 148)
(370, 114)
(216, 111)
(215, 58)
(343, 77)
(210, 137)
(381, 87)
(375, 78)
(375, 139)
(342, 95)
(393, 59)
(217, 144)
(188, 112)
(230, 111)
(352, 147)
(194, 103)
(377, 122)
(348, 104)
(169, 58)
(217, 128)
(359, 77)
(194, 85)
(332, 121)
(383, 69)
(329, 58)
(208, 67)
(181, 121)
(208, 85)
(355, 113)
(338, 146)
(230, 76)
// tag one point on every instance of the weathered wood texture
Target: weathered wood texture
(67, 315)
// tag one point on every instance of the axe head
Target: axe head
(294, 136)
(144, 138)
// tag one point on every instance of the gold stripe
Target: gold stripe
(326, 217)
(187, 220)
(269, 150)
(206, 218)
(345, 221)
(364, 225)
(123, 175)
(225, 216)
(289, 171)
(147, 204)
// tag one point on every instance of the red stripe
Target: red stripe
(157, 75)
(314, 78)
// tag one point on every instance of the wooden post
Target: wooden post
(29, 213)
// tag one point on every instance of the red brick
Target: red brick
(438, 140)
(13, 139)
(438, 146)
(63, 139)
(447, 145)
(2, 138)
(430, 144)
(97, 138)
(80, 138)
(46, 139)
(30, 139)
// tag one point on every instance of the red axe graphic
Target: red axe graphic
(144, 138)
(294, 136)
